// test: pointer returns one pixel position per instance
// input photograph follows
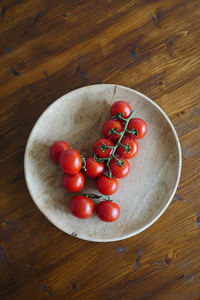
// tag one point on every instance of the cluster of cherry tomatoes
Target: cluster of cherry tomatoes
(109, 163)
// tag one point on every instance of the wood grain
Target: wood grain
(49, 48)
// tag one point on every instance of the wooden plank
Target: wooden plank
(49, 48)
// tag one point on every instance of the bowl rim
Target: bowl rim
(133, 233)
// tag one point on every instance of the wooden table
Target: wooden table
(49, 48)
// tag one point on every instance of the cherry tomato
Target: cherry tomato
(94, 168)
(56, 149)
(121, 151)
(73, 183)
(121, 107)
(107, 127)
(117, 170)
(102, 153)
(70, 161)
(81, 207)
(108, 211)
(139, 125)
(107, 186)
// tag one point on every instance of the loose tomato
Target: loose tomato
(56, 149)
(94, 168)
(107, 186)
(81, 207)
(107, 129)
(100, 152)
(121, 107)
(117, 170)
(133, 148)
(73, 183)
(108, 211)
(70, 161)
(139, 125)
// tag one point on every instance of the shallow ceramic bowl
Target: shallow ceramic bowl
(143, 195)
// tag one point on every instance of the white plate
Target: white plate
(143, 195)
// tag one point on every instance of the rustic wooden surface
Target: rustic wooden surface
(49, 48)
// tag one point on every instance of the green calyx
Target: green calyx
(112, 131)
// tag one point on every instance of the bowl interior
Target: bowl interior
(143, 195)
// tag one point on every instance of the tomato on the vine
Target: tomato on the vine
(81, 207)
(121, 107)
(99, 151)
(56, 149)
(119, 171)
(139, 125)
(106, 185)
(133, 147)
(107, 129)
(108, 211)
(73, 183)
(93, 167)
(70, 161)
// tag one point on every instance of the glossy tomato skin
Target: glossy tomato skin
(133, 148)
(108, 125)
(81, 207)
(98, 143)
(56, 149)
(121, 107)
(70, 161)
(73, 183)
(108, 211)
(139, 125)
(94, 168)
(107, 186)
(119, 171)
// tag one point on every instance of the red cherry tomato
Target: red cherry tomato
(102, 153)
(56, 149)
(94, 168)
(121, 107)
(107, 128)
(117, 170)
(139, 125)
(121, 151)
(108, 211)
(73, 183)
(81, 207)
(70, 161)
(107, 186)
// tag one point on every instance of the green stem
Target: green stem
(121, 134)
(126, 147)
(95, 196)
(133, 132)
(83, 162)
(119, 116)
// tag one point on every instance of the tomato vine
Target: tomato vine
(103, 147)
